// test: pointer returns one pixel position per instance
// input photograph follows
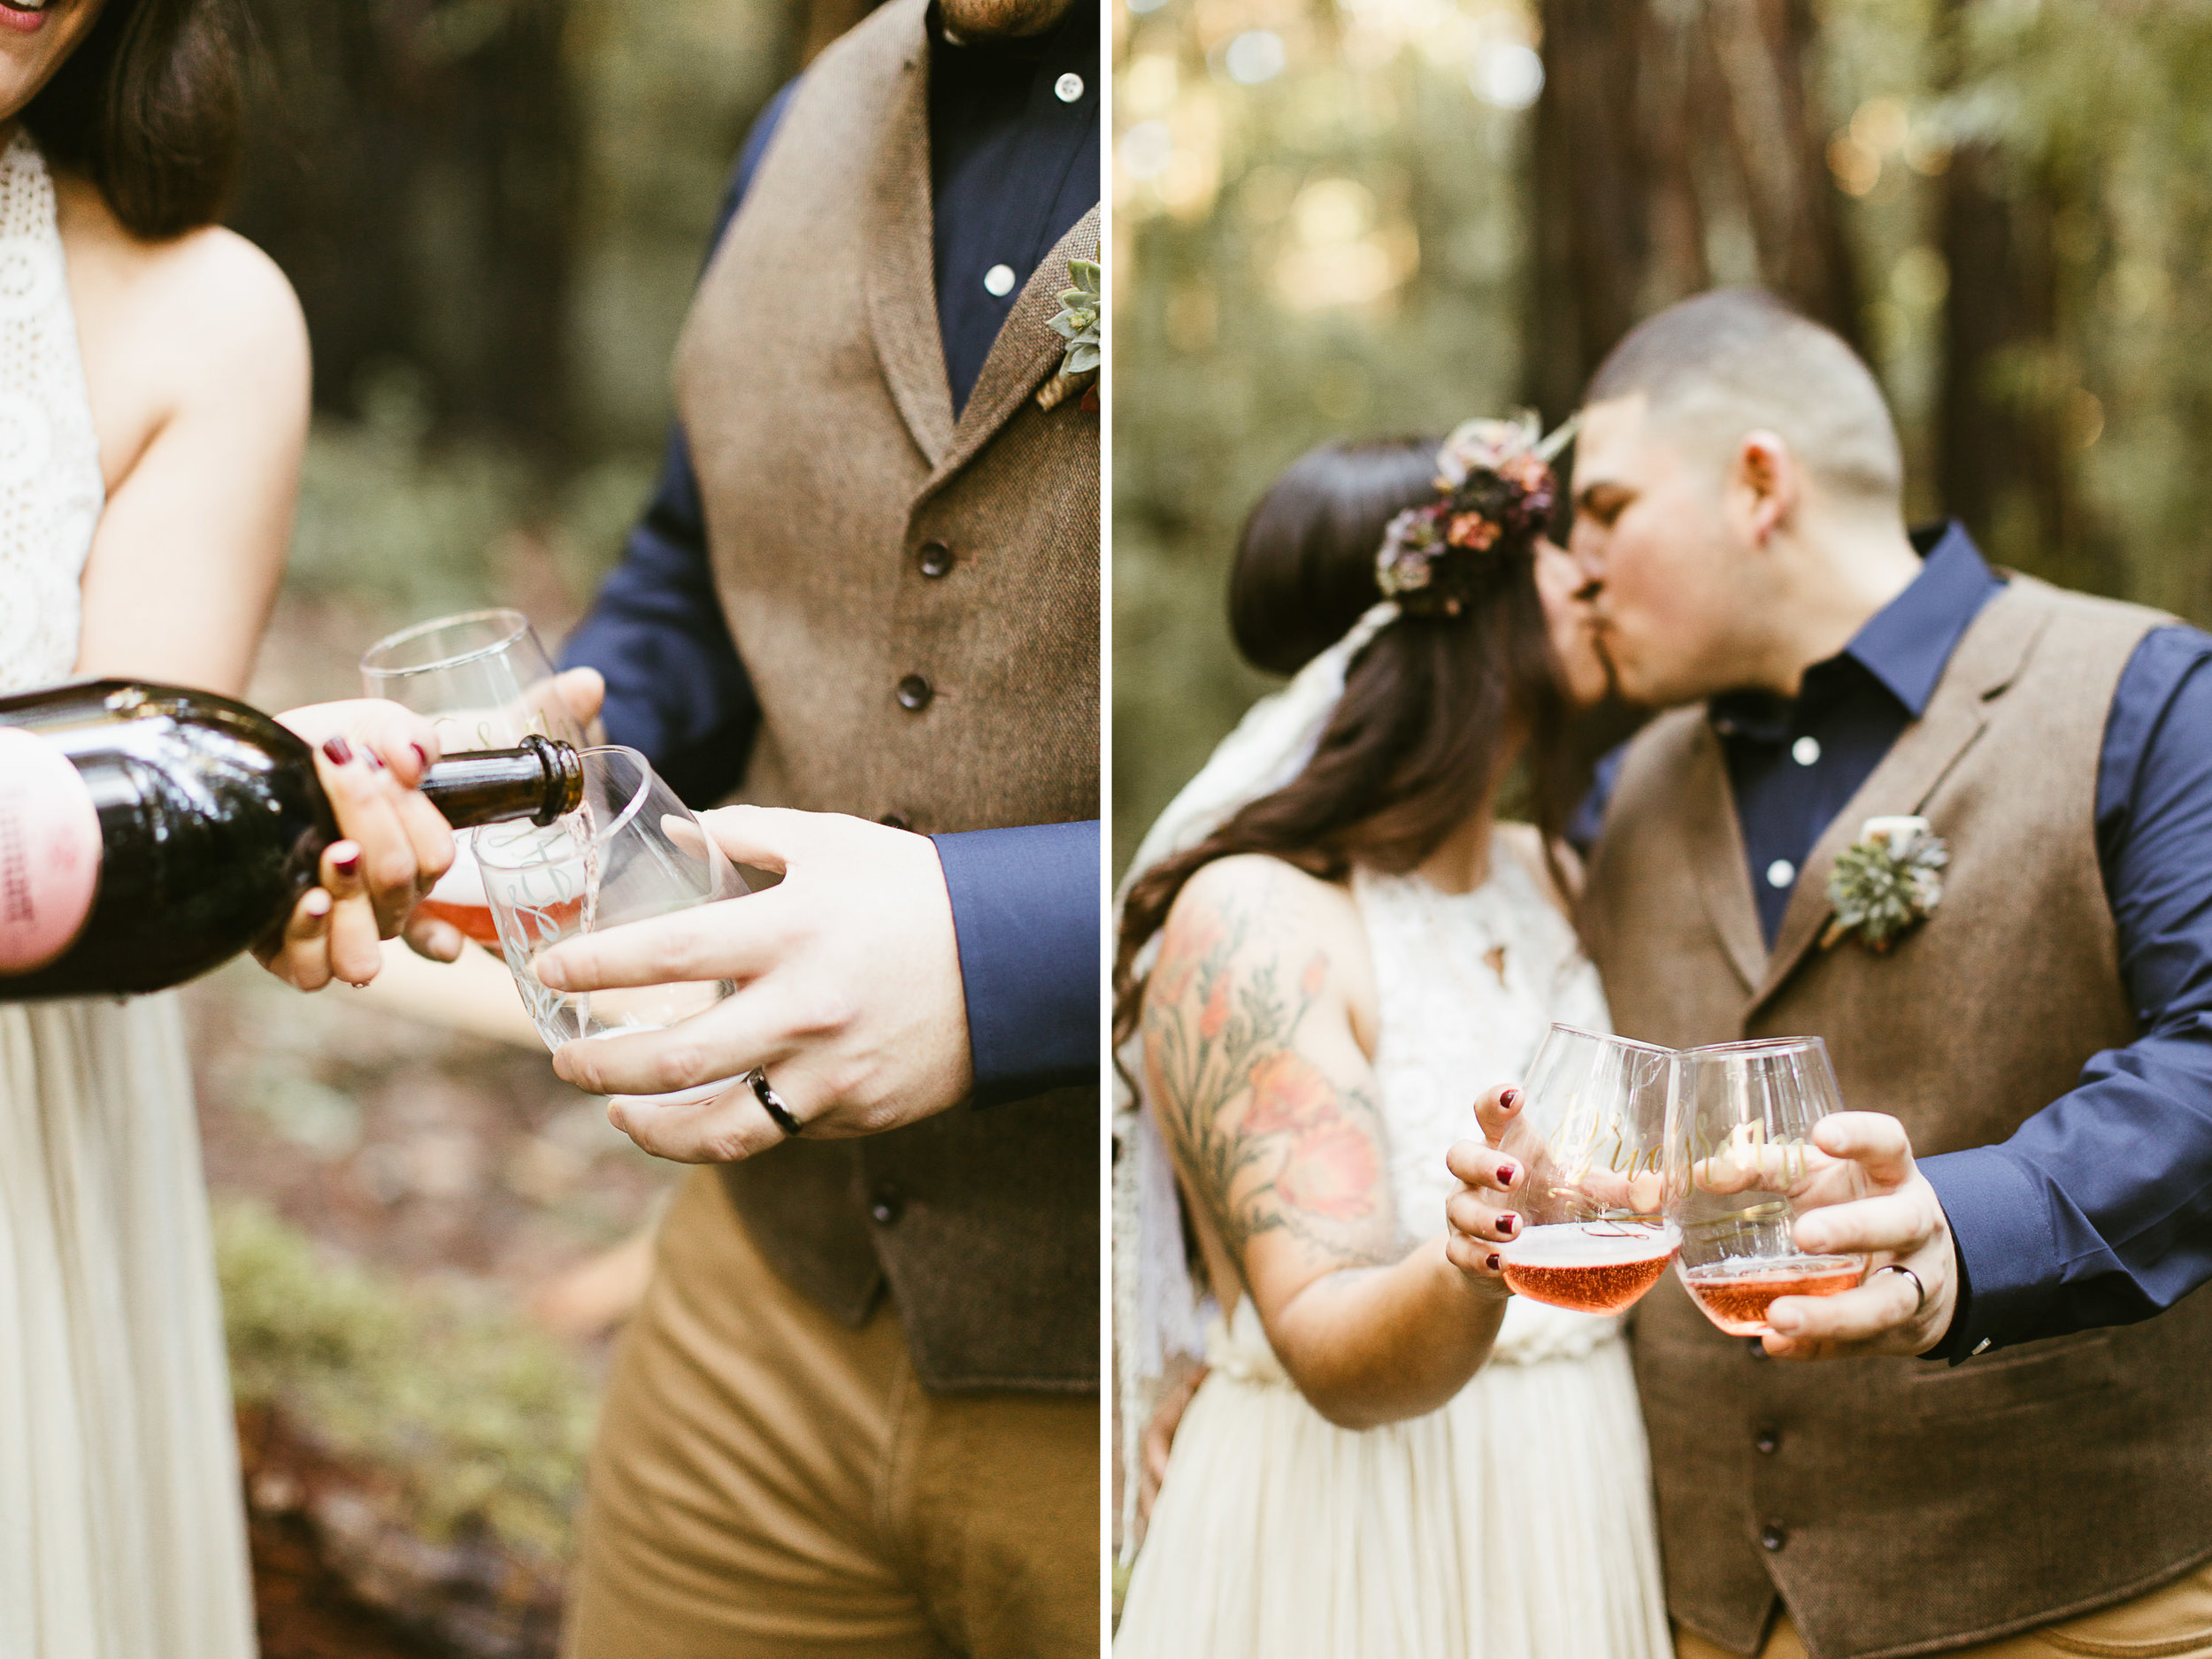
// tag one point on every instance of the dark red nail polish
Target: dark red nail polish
(422, 756)
(338, 749)
(348, 864)
(1492, 1262)
(1507, 1222)
(1506, 1172)
(1509, 1099)
(374, 761)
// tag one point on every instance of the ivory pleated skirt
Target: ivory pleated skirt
(1515, 1523)
(122, 1531)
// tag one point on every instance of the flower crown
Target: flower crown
(1496, 488)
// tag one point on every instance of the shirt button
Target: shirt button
(1771, 1537)
(1805, 751)
(886, 1204)
(1781, 872)
(1768, 1442)
(915, 693)
(1068, 87)
(998, 281)
(896, 821)
(936, 559)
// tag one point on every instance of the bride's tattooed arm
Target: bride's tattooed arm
(1252, 1026)
(1274, 1138)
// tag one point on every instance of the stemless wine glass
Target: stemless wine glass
(632, 851)
(1748, 1111)
(485, 681)
(1595, 1234)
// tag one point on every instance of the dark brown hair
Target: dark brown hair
(1418, 742)
(150, 108)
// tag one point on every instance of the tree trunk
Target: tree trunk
(1679, 146)
(411, 173)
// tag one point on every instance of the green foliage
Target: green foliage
(1077, 320)
(1334, 251)
(485, 1419)
(1879, 890)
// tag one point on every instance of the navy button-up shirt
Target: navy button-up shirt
(1014, 164)
(2099, 1209)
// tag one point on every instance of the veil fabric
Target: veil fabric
(1159, 1311)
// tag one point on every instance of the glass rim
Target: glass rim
(647, 779)
(517, 624)
(1752, 1045)
(1612, 1039)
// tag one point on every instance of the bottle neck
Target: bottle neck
(541, 780)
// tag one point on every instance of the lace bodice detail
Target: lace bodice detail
(52, 492)
(1466, 985)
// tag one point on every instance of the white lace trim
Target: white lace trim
(51, 491)
(1466, 985)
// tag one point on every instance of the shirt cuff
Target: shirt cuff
(1026, 906)
(2008, 1258)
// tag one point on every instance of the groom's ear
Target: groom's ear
(1767, 482)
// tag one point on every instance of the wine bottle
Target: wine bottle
(150, 832)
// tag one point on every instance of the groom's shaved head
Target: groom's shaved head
(1714, 368)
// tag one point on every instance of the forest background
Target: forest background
(1366, 217)
(494, 212)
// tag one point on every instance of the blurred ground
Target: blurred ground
(426, 1239)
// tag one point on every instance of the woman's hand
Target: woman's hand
(1492, 1171)
(1159, 1437)
(370, 757)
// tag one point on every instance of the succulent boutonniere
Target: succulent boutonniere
(1077, 323)
(1885, 881)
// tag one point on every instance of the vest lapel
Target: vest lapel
(1715, 850)
(902, 279)
(1987, 660)
(1024, 354)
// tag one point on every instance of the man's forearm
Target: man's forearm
(1025, 904)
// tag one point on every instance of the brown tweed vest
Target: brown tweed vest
(1897, 1506)
(916, 600)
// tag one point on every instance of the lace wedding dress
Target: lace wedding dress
(121, 1532)
(1515, 1523)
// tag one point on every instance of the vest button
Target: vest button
(915, 693)
(1771, 1537)
(896, 821)
(936, 559)
(1768, 1442)
(886, 1204)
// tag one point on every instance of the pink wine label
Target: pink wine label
(50, 852)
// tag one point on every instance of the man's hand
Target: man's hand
(850, 993)
(1868, 1197)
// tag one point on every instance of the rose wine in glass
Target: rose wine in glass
(1748, 1111)
(485, 681)
(1595, 1236)
(1591, 1266)
(631, 852)
(1736, 1298)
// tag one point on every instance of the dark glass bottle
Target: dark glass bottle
(149, 833)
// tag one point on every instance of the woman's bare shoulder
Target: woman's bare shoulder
(218, 302)
(1270, 890)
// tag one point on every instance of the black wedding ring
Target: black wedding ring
(772, 1102)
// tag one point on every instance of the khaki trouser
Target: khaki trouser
(768, 1482)
(2173, 1621)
